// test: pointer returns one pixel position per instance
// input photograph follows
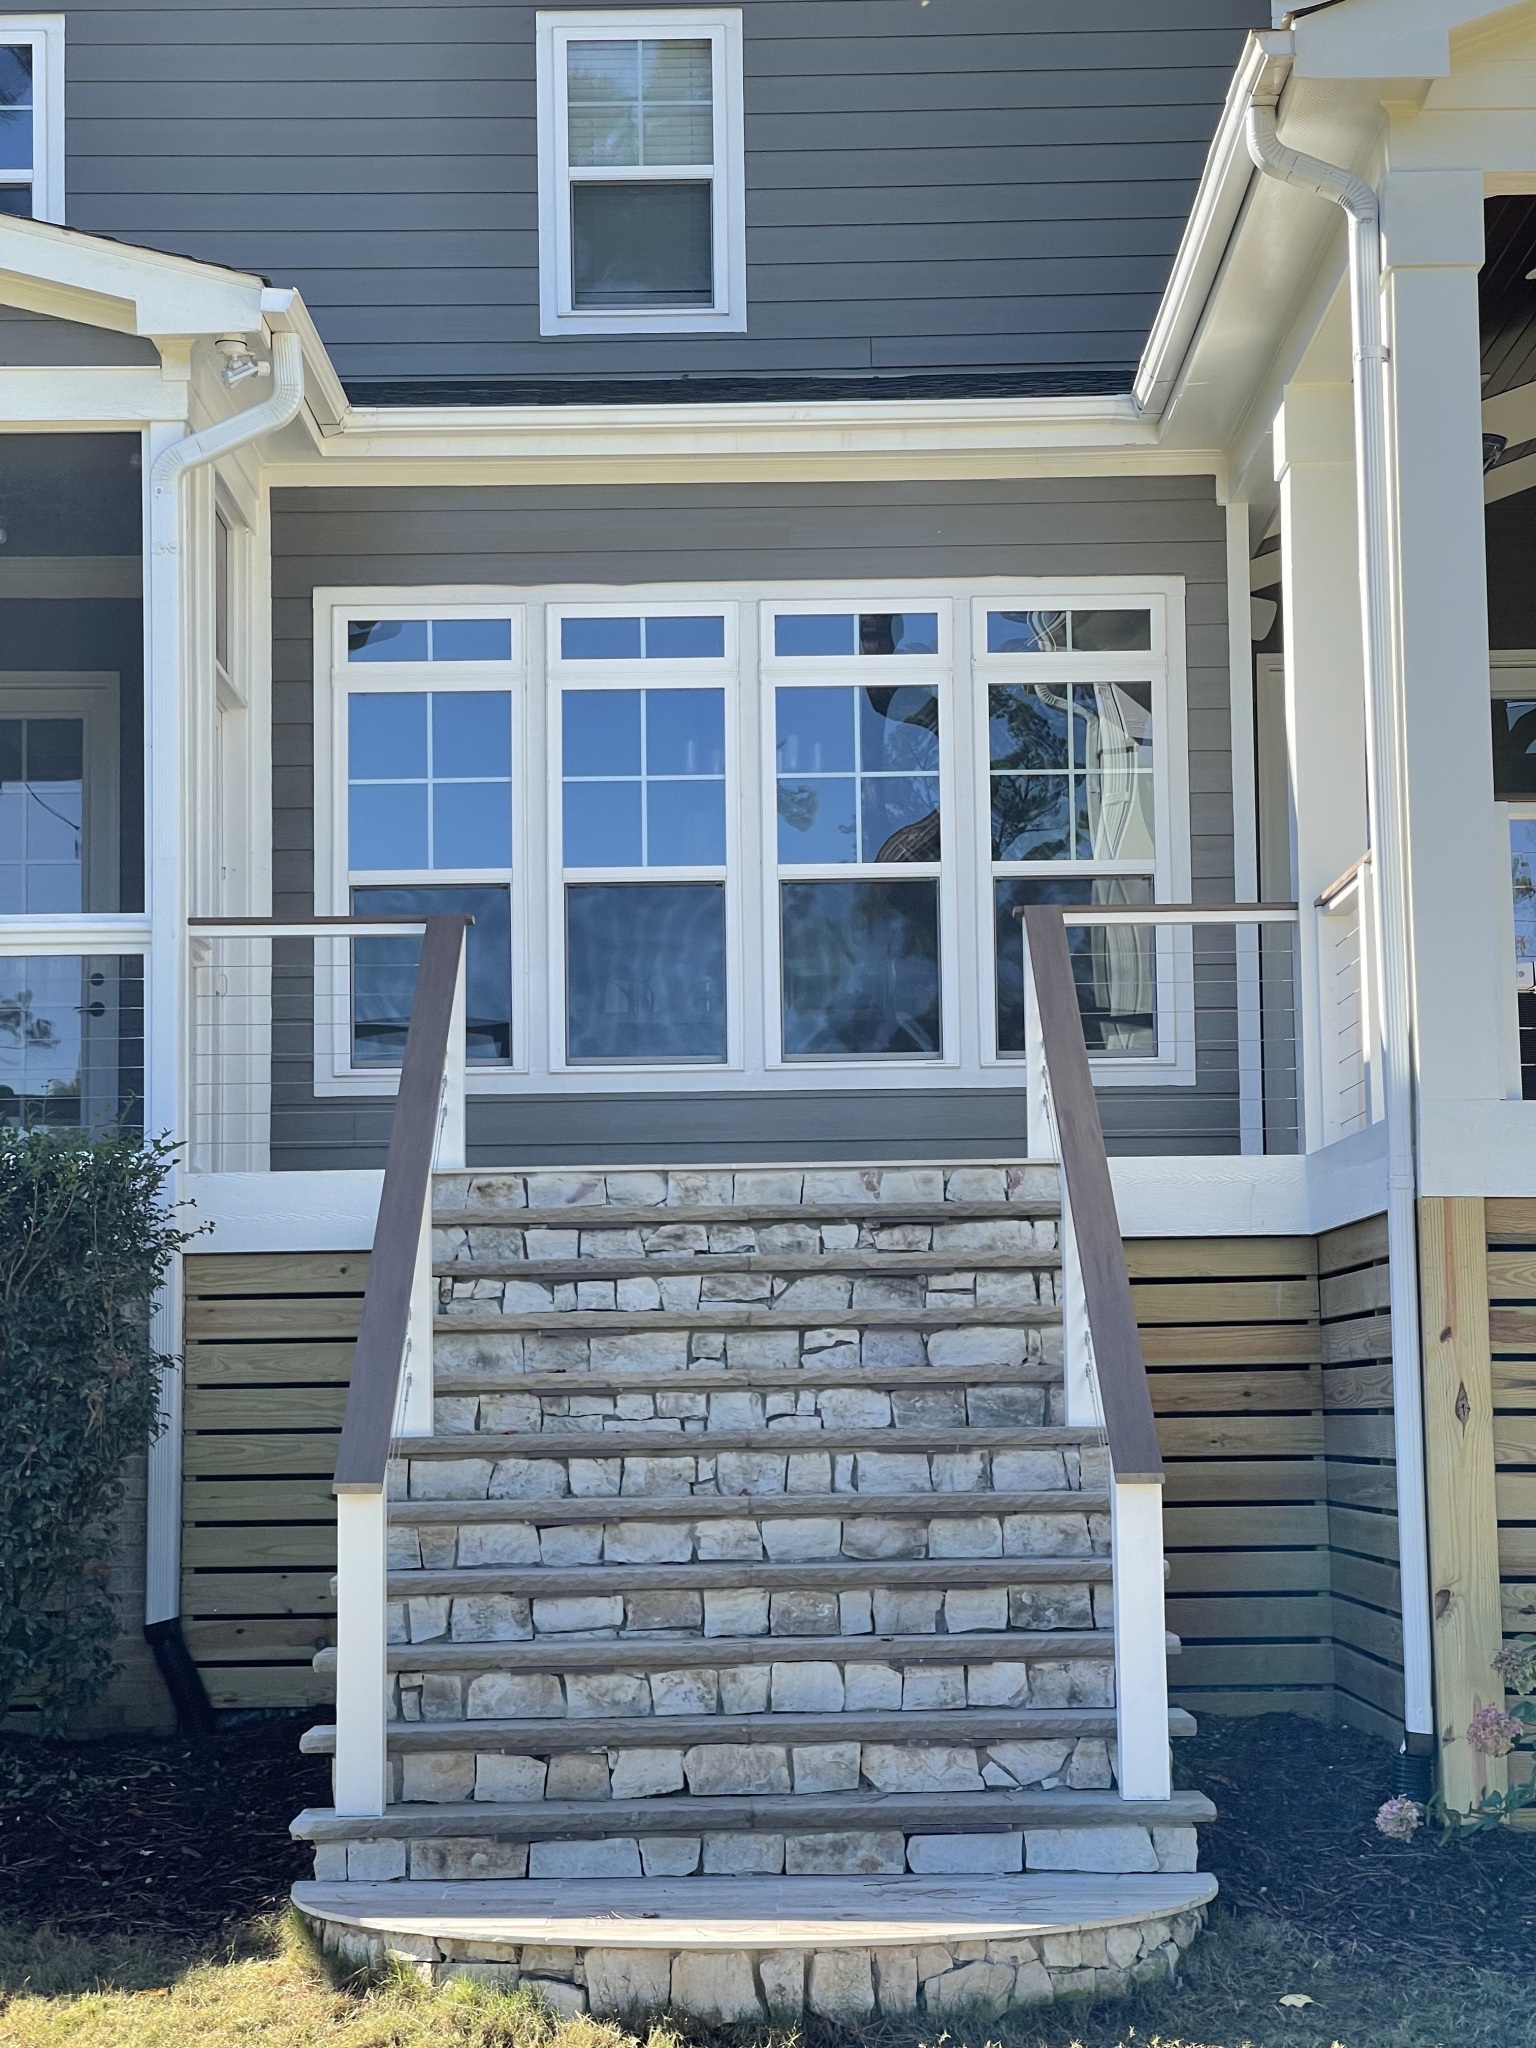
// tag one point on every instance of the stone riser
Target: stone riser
(499, 1355)
(650, 1768)
(557, 1476)
(860, 1538)
(496, 1195)
(679, 1413)
(907, 1611)
(854, 1685)
(944, 1981)
(866, 1852)
(787, 1293)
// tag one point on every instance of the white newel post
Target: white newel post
(362, 1763)
(1141, 1650)
(451, 1132)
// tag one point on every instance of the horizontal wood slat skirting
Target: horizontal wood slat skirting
(1275, 1424)
(1511, 1234)
(269, 1356)
(1270, 1375)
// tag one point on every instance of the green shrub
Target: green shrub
(85, 1239)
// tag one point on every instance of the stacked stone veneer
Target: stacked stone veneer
(941, 1979)
(752, 1540)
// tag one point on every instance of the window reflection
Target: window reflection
(861, 969)
(858, 775)
(645, 971)
(1114, 966)
(384, 972)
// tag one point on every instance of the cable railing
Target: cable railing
(1190, 1017)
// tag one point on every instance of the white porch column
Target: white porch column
(1433, 234)
(1324, 682)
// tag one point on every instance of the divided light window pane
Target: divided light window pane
(645, 103)
(1071, 771)
(406, 640)
(606, 638)
(1048, 632)
(858, 775)
(644, 775)
(16, 117)
(429, 780)
(839, 633)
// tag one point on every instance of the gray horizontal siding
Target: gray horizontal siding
(972, 185)
(32, 340)
(805, 533)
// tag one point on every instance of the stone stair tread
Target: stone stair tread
(713, 1378)
(549, 1653)
(712, 1317)
(838, 1574)
(687, 1265)
(704, 1443)
(678, 1507)
(989, 1812)
(749, 1913)
(953, 1724)
(591, 1216)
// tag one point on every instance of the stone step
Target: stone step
(744, 1507)
(636, 1463)
(611, 1263)
(725, 1193)
(867, 1833)
(711, 1375)
(1068, 1647)
(824, 1398)
(477, 1316)
(734, 1575)
(787, 1721)
(493, 1347)
(843, 1949)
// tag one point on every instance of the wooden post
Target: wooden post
(1141, 1640)
(362, 1757)
(1459, 1483)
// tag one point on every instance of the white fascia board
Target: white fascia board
(110, 284)
(1278, 1195)
(610, 441)
(1218, 203)
(1382, 38)
(73, 395)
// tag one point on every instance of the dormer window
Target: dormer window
(641, 224)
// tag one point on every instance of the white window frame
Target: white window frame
(336, 680)
(558, 313)
(720, 672)
(1162, 666)
(45, 34)
(748, 675)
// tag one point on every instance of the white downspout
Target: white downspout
(1389, 872)
(166, 967)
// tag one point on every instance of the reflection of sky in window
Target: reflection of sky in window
(834, 634)
(403, 640)
(644, 778)
(40, 1029)
(609, 638)
(429, 779)
(42, 789)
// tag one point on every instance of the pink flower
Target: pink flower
(1492, 1732)
(1516, 1665)
(1398, 1819)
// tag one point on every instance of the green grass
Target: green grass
(273, 1990)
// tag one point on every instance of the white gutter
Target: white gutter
(165, 968)
(1385, 786)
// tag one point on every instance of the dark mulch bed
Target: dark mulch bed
(182, 1843)
(161, 1839)
(1295, 1838)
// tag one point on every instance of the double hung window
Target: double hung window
(643, 790)
(1072, 781)
(32, 116)
(756, 832)
(641, 223)
(427, 742)
(856, 757)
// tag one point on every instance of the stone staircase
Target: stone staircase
(752, 1542)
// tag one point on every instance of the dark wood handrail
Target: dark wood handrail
(363, 1455)
(1124, 1395)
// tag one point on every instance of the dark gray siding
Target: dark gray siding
(1104, 526)
(30, 339)
(976, 185)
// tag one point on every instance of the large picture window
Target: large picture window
(641, 225)
(755, 837)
